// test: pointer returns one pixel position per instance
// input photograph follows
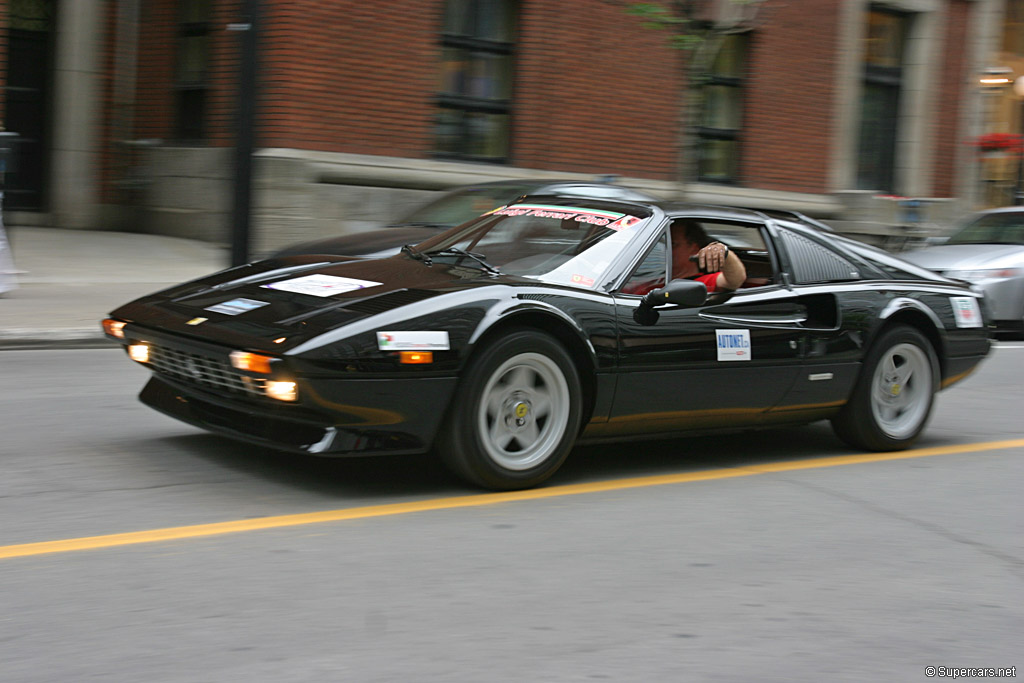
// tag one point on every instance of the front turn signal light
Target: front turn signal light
(282, 391)
(253, 362)
(415, 357)
(115, 328)
(139, 352)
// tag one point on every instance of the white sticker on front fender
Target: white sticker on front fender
(966, 311)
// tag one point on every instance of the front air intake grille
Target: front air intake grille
(206, 371)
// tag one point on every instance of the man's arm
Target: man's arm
(718, 257)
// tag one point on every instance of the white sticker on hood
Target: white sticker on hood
(412, 341)
(235, 306)
(321, 285)
(733, 344)
(966, 311)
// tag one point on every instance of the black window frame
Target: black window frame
(191, 97)
(467, 105)
(707, 135)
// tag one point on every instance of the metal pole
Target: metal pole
(240, 232)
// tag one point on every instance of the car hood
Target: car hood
(966, 256)
(277, 304)
(379, 243)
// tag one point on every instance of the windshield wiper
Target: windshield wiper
(409, 250)
(420, 224)
(479, 258)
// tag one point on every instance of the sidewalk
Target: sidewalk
(69, 280)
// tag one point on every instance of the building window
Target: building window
(718, 135)
(475, 84)
(1013, 27)
(191, 69)
(883, 80)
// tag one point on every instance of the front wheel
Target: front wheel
(894, 395)
(516, 414)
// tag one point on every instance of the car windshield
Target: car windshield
(457, 207)
(993, 228)
(568, 245)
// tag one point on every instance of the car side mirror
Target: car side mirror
(686, 293)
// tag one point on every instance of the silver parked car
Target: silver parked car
(988, 251)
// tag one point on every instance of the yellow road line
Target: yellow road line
(237, 526)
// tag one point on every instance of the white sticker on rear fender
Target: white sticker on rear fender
(966, 311)
(733, 344)
(412, 341)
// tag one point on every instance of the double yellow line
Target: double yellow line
(238, 526)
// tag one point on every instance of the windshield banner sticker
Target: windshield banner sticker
(563, 213)
(321, 285)
(234, 307)
(733, 344)
(412, 341)
(966, 311)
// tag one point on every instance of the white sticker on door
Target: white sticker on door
(733, 344)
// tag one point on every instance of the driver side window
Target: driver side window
(650, 274)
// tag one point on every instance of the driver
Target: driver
(721, 268)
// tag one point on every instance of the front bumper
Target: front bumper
(389, 417)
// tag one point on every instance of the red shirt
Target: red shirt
(710, 281)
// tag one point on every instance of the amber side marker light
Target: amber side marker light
(415, 357)
(253, 362)
(115, 328)
(139, 352)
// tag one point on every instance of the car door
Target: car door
(724, 363)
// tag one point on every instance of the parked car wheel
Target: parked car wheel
(516, 415)
(894, 395)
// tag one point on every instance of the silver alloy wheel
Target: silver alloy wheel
(524, 411)
(901, 390)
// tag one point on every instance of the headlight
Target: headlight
(282, 391)
(139, 352)
(985, 274)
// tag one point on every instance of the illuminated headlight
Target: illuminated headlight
(985, 274)
(115, 328)
(282, 391)
(139, 352)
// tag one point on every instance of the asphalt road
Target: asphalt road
(772, 556)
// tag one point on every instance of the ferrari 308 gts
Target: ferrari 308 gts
(502, 342)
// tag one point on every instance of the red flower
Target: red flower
(993, 142)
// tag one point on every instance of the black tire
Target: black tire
(894, 395)
(516, 413)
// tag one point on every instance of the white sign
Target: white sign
(412, 341)
(966, 311)
(321, 285)
(235, 306)
(733, 344)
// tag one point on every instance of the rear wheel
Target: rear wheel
(516, 414)
(894, 395)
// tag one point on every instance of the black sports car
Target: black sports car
(504, 341)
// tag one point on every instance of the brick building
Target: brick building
(127, 108)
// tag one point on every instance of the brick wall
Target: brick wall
(790, 98)
(952, 78)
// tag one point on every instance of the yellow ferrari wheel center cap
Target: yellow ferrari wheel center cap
(522, 410)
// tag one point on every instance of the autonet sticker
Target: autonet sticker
(733, 344)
